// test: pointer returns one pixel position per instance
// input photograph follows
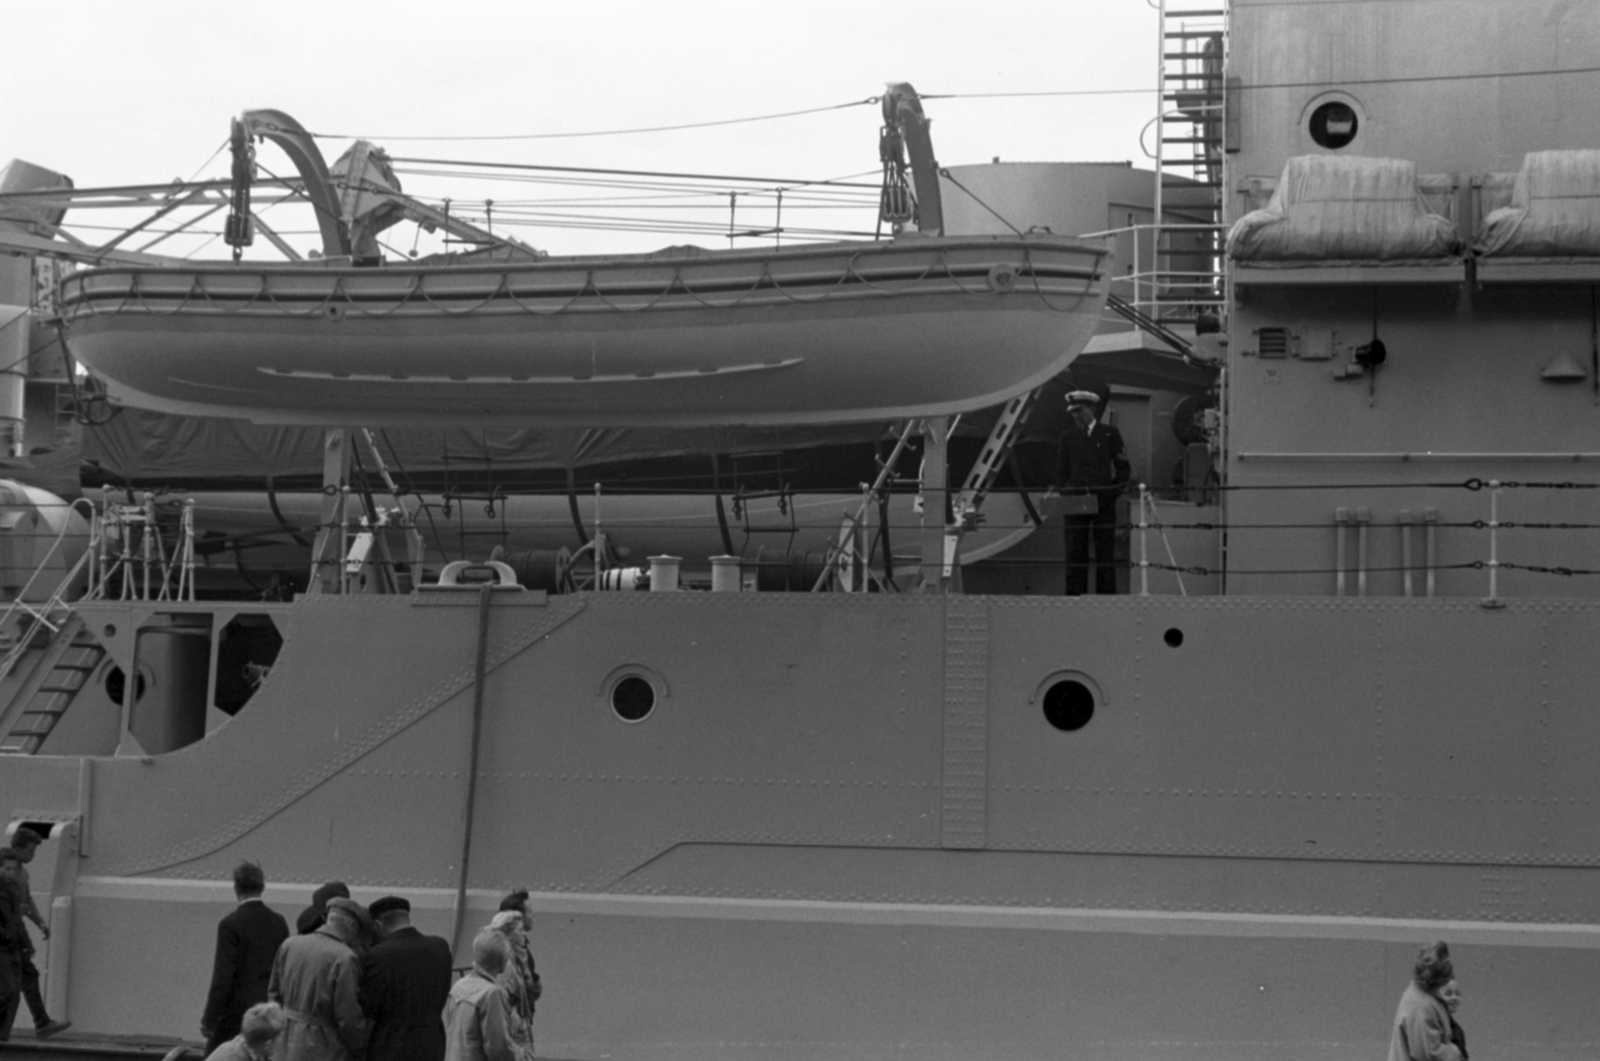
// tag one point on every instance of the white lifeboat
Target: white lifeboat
(828, 333)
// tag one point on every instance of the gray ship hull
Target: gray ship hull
(847, 828)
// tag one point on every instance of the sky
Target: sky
(139, 91)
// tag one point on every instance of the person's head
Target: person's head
(491, 951)
(1081, 406)
(519, 901)
(334, 889)
(261, 1026)
(1433, 969)
(508, 923)
(11, 864)
(25, 842)
(1450, 995)
(390, 914)
(346, 917)
(248, 881)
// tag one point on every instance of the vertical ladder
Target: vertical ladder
(1193, 56)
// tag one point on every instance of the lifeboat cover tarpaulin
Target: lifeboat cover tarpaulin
(1554, 211)
(1328, 209)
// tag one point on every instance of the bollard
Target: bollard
(725, 574)
(664, 573)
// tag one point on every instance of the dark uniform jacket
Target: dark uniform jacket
(1095, 458)
(405, 982)
(13, 936)
(247, 941)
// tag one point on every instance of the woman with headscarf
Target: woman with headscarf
(1422, 1022)
(513, 980)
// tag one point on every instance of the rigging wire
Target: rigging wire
(1318, 83)
(837, 182)
(869, 101)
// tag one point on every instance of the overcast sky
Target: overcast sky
(127, 91)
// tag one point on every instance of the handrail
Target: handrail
(44, 614)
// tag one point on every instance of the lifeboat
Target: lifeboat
(819, 334)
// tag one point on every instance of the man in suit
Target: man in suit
(247, 941)
(1093, 461)
(405, 982)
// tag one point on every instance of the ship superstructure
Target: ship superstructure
(1348, 712)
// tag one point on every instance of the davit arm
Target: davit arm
(905, 133)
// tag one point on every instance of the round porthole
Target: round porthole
(116, 682)
(633, 698)
(1333, 125)
(1173, 637)
(1068, 705)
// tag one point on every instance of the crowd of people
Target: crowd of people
(359, 982)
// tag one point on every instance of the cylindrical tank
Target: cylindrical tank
(1075, 199)
(175, 651)
(32, 522)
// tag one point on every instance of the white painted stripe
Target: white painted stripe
(1032, 919)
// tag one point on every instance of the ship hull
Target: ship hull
(848, 828)
(816, 335)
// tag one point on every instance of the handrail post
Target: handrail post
(1341, 519)
(1493, 600)
(1430, 522)
(1144, 550)
(1405, 551)
(1363, 519)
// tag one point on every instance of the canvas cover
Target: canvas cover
(1330, 208)
(1554, 210)
(147, 447)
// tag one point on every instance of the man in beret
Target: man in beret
(312, 917)
(316, 978)
(405, 982)
(1093, 461)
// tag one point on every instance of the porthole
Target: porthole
(633, 698)
(1068, 705)
(1173, 637)
(1333, 125)
(116, 681)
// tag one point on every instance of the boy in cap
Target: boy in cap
(1093, 460)
(405, 982)
(26, 844)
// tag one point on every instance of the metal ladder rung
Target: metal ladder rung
(35, 724)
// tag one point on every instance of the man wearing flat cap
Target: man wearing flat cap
(1093, 461)
(405, 982)
(316, 978)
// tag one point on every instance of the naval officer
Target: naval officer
(1093, 461)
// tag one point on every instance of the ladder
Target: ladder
(1002, 437)
(1189, 152)
(60, 672)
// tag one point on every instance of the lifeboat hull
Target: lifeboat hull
(823, 334)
